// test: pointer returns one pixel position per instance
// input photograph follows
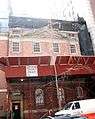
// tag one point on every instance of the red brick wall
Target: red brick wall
(3, 47)
(50, 96)
(3, 93)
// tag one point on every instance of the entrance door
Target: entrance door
(16, 112)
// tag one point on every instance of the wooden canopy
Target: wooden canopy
(71, 65)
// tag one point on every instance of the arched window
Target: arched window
(79, 92)
(39, 97)
(61, 94)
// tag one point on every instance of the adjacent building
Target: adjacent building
(85, 41)
(89, 17)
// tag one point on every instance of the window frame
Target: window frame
(73, 48)
(36, 47)
(39, 99)
(76, 105)
(79, 92)
(56, 48)
(61, 94)
(15, 46)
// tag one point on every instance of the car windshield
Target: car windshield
(67, 106)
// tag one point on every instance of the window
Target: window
(36, 47)
(76, 106)
(16, 31)
(16, 36)
(71, 35)
(68, 106)
(79, 92)
(15, 46)
(55, 47)
(73, 48)
(61, 94)
(39, 96)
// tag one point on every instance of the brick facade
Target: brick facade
(3, 94)
(27, 88)
(22, 88)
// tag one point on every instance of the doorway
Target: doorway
(16, 111)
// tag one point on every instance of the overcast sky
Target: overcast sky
(39, 8)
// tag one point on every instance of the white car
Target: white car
(65, 117)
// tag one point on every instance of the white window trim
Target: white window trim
(15, 41)
(33, 47)
(53, 47)
(75, 49)
(38, 99)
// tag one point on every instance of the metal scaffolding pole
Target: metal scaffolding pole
(57, 88)
(55, 71)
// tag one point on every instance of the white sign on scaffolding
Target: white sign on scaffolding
(31, 70)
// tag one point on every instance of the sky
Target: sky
(39, 8)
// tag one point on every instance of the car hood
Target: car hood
(62, 112)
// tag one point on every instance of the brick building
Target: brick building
(35, 57)
(88, 9)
